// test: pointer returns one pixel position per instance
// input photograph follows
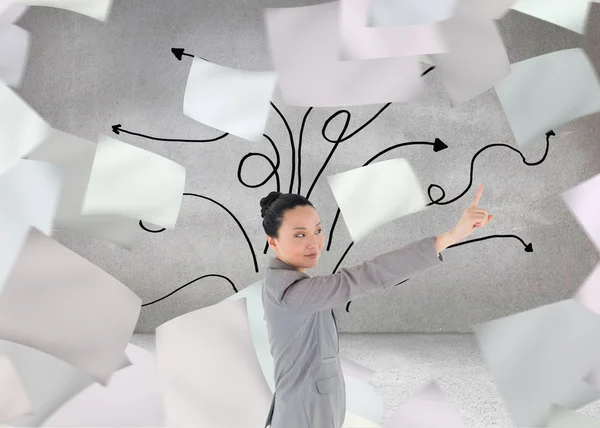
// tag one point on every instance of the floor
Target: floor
(406, 362)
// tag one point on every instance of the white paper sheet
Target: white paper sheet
(427, 408)
(589, 293)
(477, 59)
(49, 381)
(377, 194)
(548, 91)
(258, 329)
(570, 14)
(14, 51)
(14, 400)
(358, 41)
(55, 299)
(355, 370)
(75, 157)
(208, 370)
(541, 357)
(583, 201)
(29, 193)
(594, 377)
(97, 9)
(362, 401)
(129, 181)
(494, 9)
(21, 128)
(231, 100)
(565, 418)
(399, 13)
(355, 421)
(11, 13)
(304, 44)
(131, 399)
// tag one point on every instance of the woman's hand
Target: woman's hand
(473, 218)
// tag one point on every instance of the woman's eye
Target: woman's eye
(319, 231)
(300, 235)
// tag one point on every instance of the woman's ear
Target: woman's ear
(272, 243)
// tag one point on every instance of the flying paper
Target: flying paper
(304, 43)
(564, 418)
(48, 381)
(584, 202)
(56, 301)
(428, 408)
(399, 13)
(476, 60)
(258, 329)
(135, 183)
(355, 370)
(29, 193)
(97, 9)
(541, 357)
(594, 377)
(11, 13)
(21, 129)
(493, 9)
(358, 41)
(548, 91)
(354, 421)
(589, 293)
(377, 194)
(208, 370)
(14, 50)
(570, 14)
(14, 401)
(131, 399)
(362, 399)
(234, 101)
(75, 157)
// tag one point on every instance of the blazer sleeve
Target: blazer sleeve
(313, 294)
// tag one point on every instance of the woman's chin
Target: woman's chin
(311, 263)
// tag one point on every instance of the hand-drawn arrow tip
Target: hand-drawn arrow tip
(550, 133)
(178, 52)
(439, 145)
(116, 128)
(529, 248)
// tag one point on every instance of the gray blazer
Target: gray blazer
(309, 384)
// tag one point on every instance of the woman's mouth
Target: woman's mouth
(312, 256)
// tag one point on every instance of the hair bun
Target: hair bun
(266, 202)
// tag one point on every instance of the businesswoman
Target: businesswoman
(309, 384)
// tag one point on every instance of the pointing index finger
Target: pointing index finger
(477, 197)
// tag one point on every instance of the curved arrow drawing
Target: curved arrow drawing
(191, 282)
(228, 212)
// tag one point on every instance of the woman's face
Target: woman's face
(300, 238)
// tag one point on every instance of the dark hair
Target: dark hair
(275, 205)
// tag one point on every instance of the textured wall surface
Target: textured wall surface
(85, 76)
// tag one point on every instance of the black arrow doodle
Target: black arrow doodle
(117, 129)
(437, 202)
(341, 137)
(300, 149)
(274, 172)
(528, 248)
(191, 282)
(438, 145)
(228, 212)
(180, 52)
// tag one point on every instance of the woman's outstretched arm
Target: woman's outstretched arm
(312, 294)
